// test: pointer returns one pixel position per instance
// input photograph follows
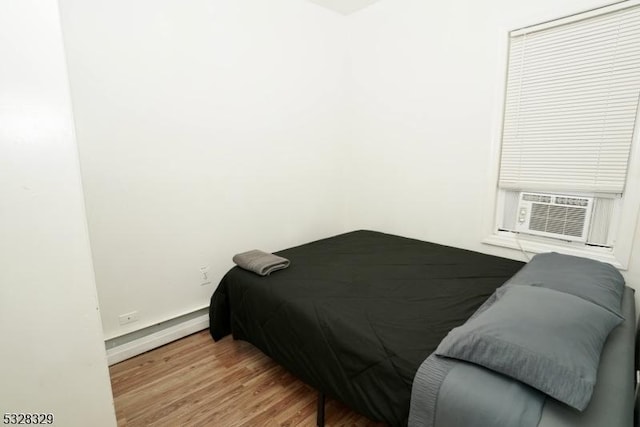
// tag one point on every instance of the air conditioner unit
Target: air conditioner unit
(554, 215)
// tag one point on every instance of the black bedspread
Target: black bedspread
(356, 314)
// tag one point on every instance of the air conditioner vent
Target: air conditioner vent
(528, 197)
(555, 216)
(571, 201)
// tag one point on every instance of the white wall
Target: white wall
(52, 353)
(205, 128)
(425, 78)
(211, 127)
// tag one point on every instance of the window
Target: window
(568, 127)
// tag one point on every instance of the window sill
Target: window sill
(507, 240)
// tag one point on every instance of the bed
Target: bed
(356, 315)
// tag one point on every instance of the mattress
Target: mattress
(356, 314)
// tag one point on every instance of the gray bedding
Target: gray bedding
(493, 399)
(612, 400)
(549, 340)
(452, 393)
(547, 349)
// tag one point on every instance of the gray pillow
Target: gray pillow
(592, 280)
(547, 339)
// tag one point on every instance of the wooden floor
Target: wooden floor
(198, 382)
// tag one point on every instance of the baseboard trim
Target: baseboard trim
(156, 339)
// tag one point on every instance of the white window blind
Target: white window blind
(571, 102)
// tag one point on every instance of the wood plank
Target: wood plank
(198, 382)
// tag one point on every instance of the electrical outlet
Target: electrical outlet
(129, 318)
(204, 275)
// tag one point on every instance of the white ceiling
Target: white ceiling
(344, 6)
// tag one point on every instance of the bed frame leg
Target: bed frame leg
(320, 415)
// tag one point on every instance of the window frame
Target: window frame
(624, 225)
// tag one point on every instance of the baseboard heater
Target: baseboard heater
(143, 340)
